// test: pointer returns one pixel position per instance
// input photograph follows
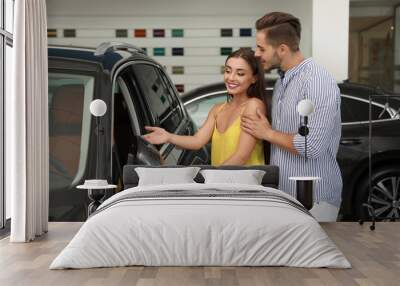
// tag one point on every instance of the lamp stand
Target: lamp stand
(305, 148)
(305, 136)
(303, 131)
(97, 146)
(304, 192)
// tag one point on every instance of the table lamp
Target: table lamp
(305, 108)
(304, 185)
(98, 108)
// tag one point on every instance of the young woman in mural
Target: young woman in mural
(244, 80)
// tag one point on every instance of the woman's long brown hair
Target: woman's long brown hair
(257, 89)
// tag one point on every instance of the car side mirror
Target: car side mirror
(192, 108)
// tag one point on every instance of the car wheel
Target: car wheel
(385, 194)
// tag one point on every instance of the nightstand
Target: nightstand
(96, 192)
(304, 190)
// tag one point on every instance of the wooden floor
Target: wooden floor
(374, 255)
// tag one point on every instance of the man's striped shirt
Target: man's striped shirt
(309, 81)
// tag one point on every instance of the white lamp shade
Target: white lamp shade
(305, 107)
(98, 107)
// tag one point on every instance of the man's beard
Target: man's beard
(275, 63)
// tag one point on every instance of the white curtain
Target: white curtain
(27, 145)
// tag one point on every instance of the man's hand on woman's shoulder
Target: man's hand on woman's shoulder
(255, 123)
(252, 105)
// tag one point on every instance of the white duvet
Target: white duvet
(200, 231)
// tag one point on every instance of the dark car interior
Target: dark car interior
(65, 130)
(143, 95)
(65, 118)
(123, 135)
(128, 147)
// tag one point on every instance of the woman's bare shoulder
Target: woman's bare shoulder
(216, 107)
(253, 104)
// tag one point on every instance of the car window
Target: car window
(69, 126)
(176, 116)
(126, 84)
(199, 109)
(125, 126)
(356, 110)
(158, 96)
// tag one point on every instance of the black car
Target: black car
(137, 92)
(353, 155)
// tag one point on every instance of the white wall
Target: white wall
(330, 39)
(95, 21)
(324, 33)
(173, 7)
(173, 13)
(371, 11)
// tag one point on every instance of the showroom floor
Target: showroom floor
(374, 255)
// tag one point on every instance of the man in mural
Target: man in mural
(278, 38)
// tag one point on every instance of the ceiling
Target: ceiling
(374, 3)
(361, 23)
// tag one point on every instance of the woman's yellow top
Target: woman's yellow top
(225, 144)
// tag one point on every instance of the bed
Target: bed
(201, 224)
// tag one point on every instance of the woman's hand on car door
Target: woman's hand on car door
(157, 135)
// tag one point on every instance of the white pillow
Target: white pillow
(163, 176)
(249, 177)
